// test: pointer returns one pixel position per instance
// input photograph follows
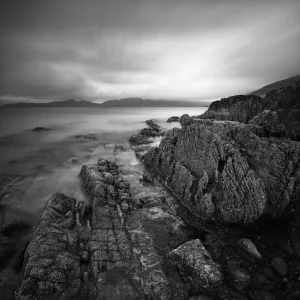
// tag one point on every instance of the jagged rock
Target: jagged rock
(123, 260)
(279, 265)
(173, 119)
(278, 112)
(281, 123)
(152, 124)
(198, 270)
(147, 177)
(140, 142)
(185, 120)
(248, 247)
(52, 263)
(227, 171)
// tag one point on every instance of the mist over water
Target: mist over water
(51, 160)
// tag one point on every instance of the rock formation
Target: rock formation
(173, 119)
(140, 143)
(278, 112)
(225, 172)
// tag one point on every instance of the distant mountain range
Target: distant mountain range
(291, 81)
(128, 102)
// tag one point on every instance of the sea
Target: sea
(76, 136)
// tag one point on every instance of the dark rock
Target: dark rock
(147, 177)
(238, 277)
(173, 119)
(278, 112)
(152, 124)
(52, 263)
(89, 136)
(185, 120)
(41, 129)
(281, 123)
(248, 247)
(279, 266)
(201, 298)
(198, 270)
(227, 171)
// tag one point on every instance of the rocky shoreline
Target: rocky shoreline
(215, 215)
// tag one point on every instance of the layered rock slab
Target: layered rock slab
(197, 268)
(123, 259)
(52, 266)
(227, 171)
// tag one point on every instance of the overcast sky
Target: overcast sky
(166, 49)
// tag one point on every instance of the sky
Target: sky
(155, 49)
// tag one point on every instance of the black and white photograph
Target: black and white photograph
(150, 150)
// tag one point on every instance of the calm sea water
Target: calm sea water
(52, 159)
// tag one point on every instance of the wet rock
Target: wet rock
(201, 298)
(39, 129)
(74, 161)
(197, 268)
(173, 119)
(249, 248)
(147, 177)
(8, 182)
(140, 142)
(238, 277)
(89, 136)
(52, 263)
(185, 120)
(279, 266)
(120, 251)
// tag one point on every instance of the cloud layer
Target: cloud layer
(99, 50)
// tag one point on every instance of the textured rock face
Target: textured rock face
(228, 171)
(52, 266)
(199, 271)
(281, 123)
(236, 108)
(173, 119)
(140, 143)
(282, 119)
(119, 245)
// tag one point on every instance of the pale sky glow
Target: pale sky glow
(100, 50)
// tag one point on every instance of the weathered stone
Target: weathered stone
(173, 119)
(117, 247)
(279, 266)
(248, 247)
(197, 268)
(227, 171)
(51, 258)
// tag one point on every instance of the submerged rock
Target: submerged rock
(198, 270)
(173, 119)
(41, 129)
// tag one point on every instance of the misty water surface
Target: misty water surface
(52, 159)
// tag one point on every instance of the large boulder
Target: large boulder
(52, 262)
(227, 171)
(198, 270)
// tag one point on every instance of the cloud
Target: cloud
(154, 49)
